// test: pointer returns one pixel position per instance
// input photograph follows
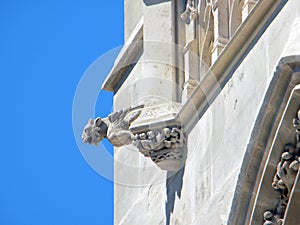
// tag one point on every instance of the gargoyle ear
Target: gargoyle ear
(98, 121)
(91, 121)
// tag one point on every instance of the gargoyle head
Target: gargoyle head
(94, 131)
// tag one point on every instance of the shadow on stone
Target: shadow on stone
(174, 187)
(153, 2)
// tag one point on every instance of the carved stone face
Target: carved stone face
(94, 131)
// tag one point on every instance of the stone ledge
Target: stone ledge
(126, 58)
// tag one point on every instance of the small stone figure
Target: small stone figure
(115, 127)
(190, 12)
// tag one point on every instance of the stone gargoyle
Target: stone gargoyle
(115, 127)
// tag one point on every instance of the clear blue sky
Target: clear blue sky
(45, 48)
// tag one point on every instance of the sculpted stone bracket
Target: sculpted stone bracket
(155, 133)
(165, 146)
(284, 178)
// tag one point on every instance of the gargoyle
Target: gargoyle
(115, 127)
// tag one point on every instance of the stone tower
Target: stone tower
(206, 122)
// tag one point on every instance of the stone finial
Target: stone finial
(190, 12)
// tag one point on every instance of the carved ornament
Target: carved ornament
(165, 147)
(284, 178)
(190, 12)
(115, 128)
(165, 144)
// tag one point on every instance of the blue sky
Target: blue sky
(45, 48)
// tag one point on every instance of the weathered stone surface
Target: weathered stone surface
(206, 189)
(115, 127)
(133, 11)
(284, 179)
(190, 12)
(166, 147)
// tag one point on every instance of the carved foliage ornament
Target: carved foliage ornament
(165, 147)
(284, 178)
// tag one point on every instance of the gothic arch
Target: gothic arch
(254, 193)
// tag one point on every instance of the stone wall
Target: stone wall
(203, 191)
(133, 13)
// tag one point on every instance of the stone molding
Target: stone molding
(284, 178)
(230, 57)
(220, 70)
(254, 194)
(127, 57)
